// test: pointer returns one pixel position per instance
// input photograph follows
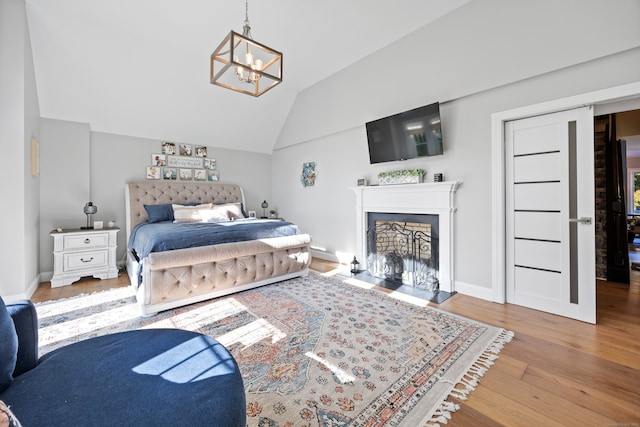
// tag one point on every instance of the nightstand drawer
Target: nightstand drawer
(83, 241)
(86, 260)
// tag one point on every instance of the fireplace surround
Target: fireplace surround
(435, 198)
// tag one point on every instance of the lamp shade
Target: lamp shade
(240, 63)
(90, 208)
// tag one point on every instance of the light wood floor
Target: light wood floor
(556, 371)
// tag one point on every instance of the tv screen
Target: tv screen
(414, 133)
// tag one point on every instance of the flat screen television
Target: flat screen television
(414, 133)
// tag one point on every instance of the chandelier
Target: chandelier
(240, 63)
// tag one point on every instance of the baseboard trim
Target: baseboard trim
(324, 255)
(474, 291)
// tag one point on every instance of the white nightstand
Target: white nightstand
(83, 252)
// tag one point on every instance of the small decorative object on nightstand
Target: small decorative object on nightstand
(89, 209)
(81, 252)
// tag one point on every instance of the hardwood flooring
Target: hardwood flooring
(555, 372)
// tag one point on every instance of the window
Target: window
(633, 189)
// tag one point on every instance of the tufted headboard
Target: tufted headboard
(140, 193)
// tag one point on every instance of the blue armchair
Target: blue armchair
(142, 377)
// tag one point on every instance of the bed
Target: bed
(177, 277)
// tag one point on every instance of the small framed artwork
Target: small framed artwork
(186, 149)
(159, 160)
(169, 173)
(35, 157)
(168, 148)
(98, 225)
(362, 182)
(186, 174)
(200, 174)
(153, 172)
(201, 151)
(309, 174)
(209, 163)
(252, 214)
(213, 175)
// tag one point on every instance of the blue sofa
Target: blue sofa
(146, 377)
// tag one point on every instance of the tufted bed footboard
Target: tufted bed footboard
(185, 276)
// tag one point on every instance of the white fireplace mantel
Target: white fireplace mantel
(435, 198)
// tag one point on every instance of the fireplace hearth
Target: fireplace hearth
(424, 269)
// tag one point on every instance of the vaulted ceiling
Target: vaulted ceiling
(141, 67)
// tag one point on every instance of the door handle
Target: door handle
(581, 220)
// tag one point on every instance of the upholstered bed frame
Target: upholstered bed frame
(185, 276)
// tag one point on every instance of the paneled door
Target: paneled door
(550, 234)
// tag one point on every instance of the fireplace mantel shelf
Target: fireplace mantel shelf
(435, 198)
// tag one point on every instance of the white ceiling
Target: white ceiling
(141, 67)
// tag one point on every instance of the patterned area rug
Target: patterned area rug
(314, 351)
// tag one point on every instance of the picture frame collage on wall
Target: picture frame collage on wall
(182, 162)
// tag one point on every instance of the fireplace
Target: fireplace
(430, 199)
(403, 248)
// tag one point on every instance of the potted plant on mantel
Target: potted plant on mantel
(402, 176)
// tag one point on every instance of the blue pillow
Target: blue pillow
(161, 212)
(8, 347)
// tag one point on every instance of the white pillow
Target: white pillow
(234, 210)
(182, 213)
(215, 214)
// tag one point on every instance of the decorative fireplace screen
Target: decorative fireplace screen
(404, 248)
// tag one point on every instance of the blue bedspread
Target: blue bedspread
(166, 236)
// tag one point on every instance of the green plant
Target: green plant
(402, 172)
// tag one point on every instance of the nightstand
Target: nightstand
(83, 252)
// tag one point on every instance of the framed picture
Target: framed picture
(186, 174)
(186, 149)
(98, 225)
(252, 214)
(362, 182)
(168, 148)
(213, 175)
(153, 172)
(309, 174)
(201, 151)
(200, 174)
(184, 162)
(159, 160)
(209, 163)
(169, 173)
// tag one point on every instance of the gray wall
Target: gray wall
(82, 165)
(19, 115)
(488, 56)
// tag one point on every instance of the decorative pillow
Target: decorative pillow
(8, 347)
(215, 214)
(161, 212)
(7, 419)
(234, 210)
(182, 213)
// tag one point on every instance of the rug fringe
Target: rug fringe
(469, 380)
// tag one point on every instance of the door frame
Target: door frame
(498, 246)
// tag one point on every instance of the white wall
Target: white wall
(80, 165)
(488, 56)
(65, 175)
(18, 124)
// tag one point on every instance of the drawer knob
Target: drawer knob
(87, 241)
(86, 260)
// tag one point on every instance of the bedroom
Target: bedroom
(88, 162)
(484, 61)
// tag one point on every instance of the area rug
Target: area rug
(314, 351)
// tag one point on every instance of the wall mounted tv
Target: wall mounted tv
(414, 133)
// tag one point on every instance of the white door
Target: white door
(550, 234)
